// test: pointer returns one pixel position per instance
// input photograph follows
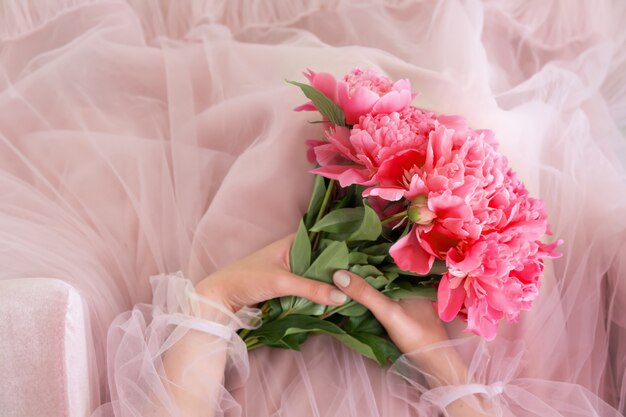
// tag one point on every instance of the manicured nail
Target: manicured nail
(341, 279)
(338, 297)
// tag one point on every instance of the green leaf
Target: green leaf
(355, 309)
(365, 271)
(299, 260)
(328, 108)
(353, 223)
(344, 220)
(377, 250)
(365, 323)
(294, 324)
(304, 306)
(377, 282)
(293, 341)
(334, 257)
(300, 255)
(395, 269)
(400, 290)
(358, 258)
(370, 227)
(376, 260)
(288, 342)
(384, 350)
(287, 333)
(315, 203)
(275, 309)
(286, 303)
(356, 345)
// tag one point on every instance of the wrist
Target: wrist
(212, 297)
(442, 364)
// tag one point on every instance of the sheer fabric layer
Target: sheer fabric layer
(139, 138)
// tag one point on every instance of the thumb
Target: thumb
(363, 293)
(316, 291)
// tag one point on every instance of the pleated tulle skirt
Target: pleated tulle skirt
(140, 138)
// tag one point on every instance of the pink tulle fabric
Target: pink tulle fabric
(142, 138)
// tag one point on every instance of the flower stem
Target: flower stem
(396, 216)
(244, 333)
(253, 343)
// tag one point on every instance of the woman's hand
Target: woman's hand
(410, 323)
(413, 324)
(264, 275)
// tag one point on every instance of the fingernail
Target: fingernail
(341, 279)
(338, 297)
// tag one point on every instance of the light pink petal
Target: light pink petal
(306, 107)
(327, 84)
(392, 101)
(482, 321)
(402, 85)
(359, 104)
(345, 174)
(326, 154)
(386, 193)
(457, 123)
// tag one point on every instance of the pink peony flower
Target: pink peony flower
(496, 277)
(353, 156)
(361, 92)
(448, 185)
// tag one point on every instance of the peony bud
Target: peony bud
(419, 212)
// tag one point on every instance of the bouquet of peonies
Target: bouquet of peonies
(418, 204)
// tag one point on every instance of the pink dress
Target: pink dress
(142, 138)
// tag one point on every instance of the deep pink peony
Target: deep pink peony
(353, 156)
(449, 186)
(468, 208)
(361, 92)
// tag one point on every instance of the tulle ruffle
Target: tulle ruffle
(168, 358)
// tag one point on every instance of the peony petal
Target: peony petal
(482, 320)
(311, 145)
(345, 174)
(357, 105)
(449, 300)
(306, 107)
(409, 255)
(402, 85)
(386, 193)
(327, 84)
(394, 101)
(392, 171)
(326, 154)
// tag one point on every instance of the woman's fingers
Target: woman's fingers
(318, 292)
(363, 293)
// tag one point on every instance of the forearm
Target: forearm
(195, 366)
